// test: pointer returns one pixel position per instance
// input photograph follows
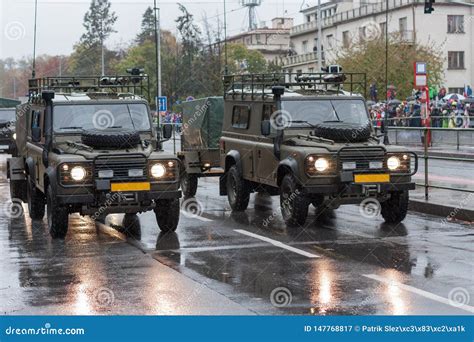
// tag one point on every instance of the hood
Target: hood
(315, 142)
(91, 153)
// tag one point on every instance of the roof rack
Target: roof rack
(138, 85)
(305, 83)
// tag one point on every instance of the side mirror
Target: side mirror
(36, 134)
(265, 128)
(167, 131)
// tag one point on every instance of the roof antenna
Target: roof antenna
(33, 72)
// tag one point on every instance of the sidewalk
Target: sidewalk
(448, 204)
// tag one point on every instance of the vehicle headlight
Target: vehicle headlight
(14, 136)
(321, 164)
(393, 163)
(78, 173)
(158, 170)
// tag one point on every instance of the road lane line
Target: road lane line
(422, 293)
(277, 244)
(195, 216)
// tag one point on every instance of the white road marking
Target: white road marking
(422, 293)
(194, 216)
(277, 244)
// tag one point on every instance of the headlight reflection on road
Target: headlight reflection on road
(394, 294)
(324, 287)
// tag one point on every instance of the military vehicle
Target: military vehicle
(200, 153)
(7, 130)
(87, 145)
(308, 139)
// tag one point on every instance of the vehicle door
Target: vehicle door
(267, 163)
(35, 148)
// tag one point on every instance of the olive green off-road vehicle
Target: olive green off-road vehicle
(87, 145)
(308, 138)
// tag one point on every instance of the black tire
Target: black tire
(167, 214)
(58, 216)
(238, 190)
(395, 209)
(131, 226)
(342, 132)
(189, 184)
(294, 204)
(36, 201)
(111, 138)
(18, 190)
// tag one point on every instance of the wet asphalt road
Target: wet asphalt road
(248, 263)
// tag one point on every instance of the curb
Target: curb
(447, 212)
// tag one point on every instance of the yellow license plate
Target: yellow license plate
(118, 187)
(374, 178)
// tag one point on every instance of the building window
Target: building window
(402, 24)
(456, 90)
(258, 38)
(455, 59)
(383, 27)
(330, 40)
(346, 39)
(308, 18)
(305, 46)
(310, 70)
(455, 24)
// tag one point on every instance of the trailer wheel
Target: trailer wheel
(189, 184)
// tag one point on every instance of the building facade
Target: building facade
(451, 26)
(272, 42)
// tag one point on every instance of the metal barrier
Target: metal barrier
(426, 131)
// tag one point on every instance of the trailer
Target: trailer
(200, 151)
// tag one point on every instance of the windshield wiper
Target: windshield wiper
(335, 111)
(302, 122)
(329, 121)
(72, 127)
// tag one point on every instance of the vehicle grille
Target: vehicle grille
(121, 166)
(362, 157)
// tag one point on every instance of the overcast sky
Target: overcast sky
(60, 21)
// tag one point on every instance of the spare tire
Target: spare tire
(341, 132)
(111, 138)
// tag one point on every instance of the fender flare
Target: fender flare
(286, 164)
(51, 175)
(235, 156)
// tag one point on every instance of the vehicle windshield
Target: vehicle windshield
(304, 113)
(7, 115)
(72, 118)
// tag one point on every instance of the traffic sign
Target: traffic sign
(190, 98)
(162, 104)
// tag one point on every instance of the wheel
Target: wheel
(189, 184)
(36, 201)
(394, 210)
(110, 137)
(131, 226)
(238, 190)
(167, 214)
(58, 217)
(294, 204)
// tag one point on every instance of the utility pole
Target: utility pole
(102, 56)
(33, 72)
(226, 67)
(320, 37)
(158, 52)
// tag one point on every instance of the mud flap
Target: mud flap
(16, 175)
(222, 185)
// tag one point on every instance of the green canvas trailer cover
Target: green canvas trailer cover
(8, 103)
(202, 124)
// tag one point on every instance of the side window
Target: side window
(268, 110)
(241, 117)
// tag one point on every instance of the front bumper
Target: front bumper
(102, 198)
(357, 189)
